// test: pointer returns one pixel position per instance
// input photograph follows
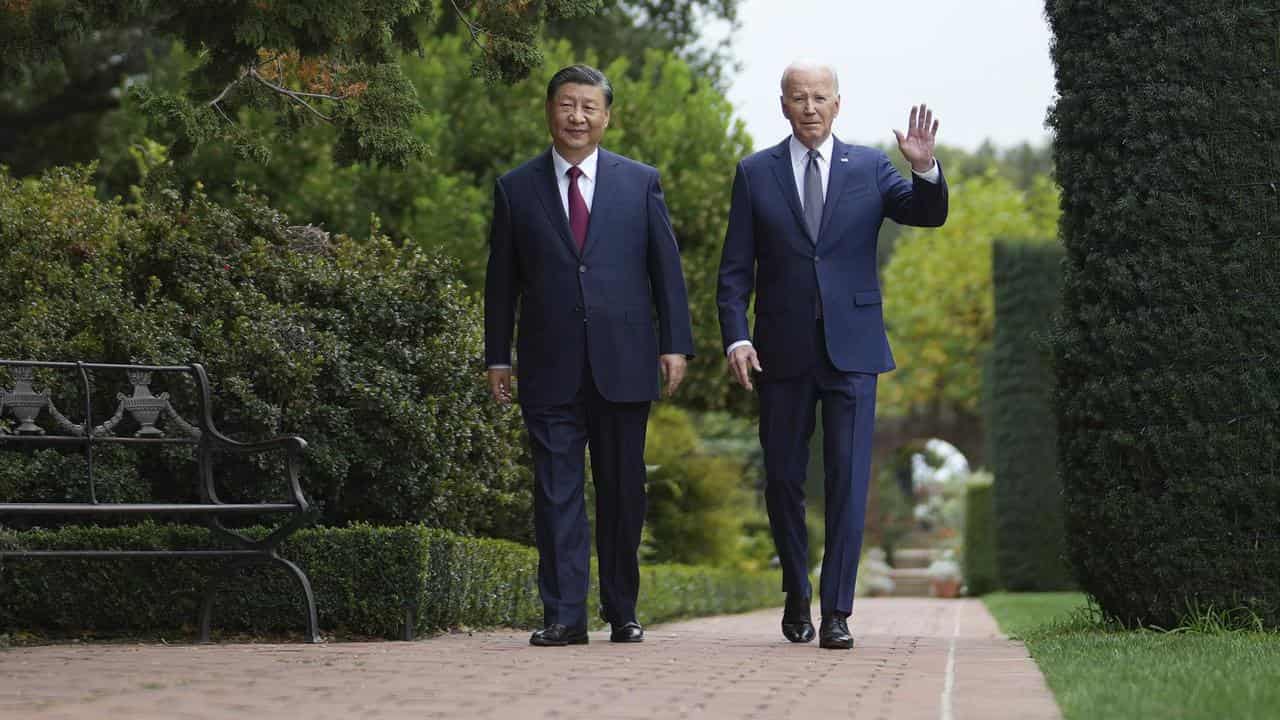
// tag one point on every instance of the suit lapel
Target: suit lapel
(549, 195)
(787, 184)
(602, 200)
(835, 183)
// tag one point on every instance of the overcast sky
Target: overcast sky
(982, 64)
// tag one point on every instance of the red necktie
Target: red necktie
(578, 213)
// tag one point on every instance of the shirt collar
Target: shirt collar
(587, 166)
(800, 153)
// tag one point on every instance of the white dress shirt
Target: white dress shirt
(586, 185)
(586, 181)
(800, 163)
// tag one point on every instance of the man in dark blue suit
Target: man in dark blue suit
(803, 227)
(582, 243)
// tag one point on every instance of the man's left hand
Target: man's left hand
(917, 144)
(673, 367)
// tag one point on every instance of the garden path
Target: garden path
(915, 658)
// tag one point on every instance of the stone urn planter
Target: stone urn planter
(24, 402)
(944, 577)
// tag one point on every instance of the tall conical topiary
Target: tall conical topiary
(1167, 351)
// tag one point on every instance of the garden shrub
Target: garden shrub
(700, 503)
(369, 351)
(979, 544)
(1167, 353)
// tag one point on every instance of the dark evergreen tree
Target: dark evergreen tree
(1168, 349)
(333, 61)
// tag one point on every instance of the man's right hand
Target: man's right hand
(500, 385)
(741, 362)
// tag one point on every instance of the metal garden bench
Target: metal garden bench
(30, 419)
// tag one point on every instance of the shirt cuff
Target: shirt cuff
(930, 175)
(499, 367)
(736, 345)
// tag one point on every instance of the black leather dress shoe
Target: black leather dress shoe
(556, 635)
(834, 634)
(627, 632)
(796, 623)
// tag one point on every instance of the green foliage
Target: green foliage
(443, 202)
(979, 543)
(27, 476)
(305, 61)
(631, 28)
(938, 298)
(1026, 166)
(1021, 434)
(366, 581)
(699, 503)
(368, 351)
(1165, 353)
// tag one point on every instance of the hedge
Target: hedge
(1168, 350)
(1020, 427)
(979, 540)
(368, 581)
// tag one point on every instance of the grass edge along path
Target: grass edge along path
(1099, 672)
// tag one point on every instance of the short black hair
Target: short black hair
(580, 75)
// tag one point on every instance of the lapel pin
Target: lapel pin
(844, 159)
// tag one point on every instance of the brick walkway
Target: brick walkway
(915, 658)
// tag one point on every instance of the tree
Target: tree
(443, 201)
(1024, 166)
(1166, 351)
(307, 61)
(938, 296)
(631, 28)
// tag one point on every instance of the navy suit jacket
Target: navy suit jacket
(767, 248)
(599, 305)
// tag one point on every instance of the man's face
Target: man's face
(811, 103)
(577, 117)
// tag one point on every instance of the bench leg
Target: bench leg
(211, 591)
(313, 625)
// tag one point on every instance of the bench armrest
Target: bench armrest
(292, 443)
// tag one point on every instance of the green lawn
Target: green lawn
(1098, 673)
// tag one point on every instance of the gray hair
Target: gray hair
(580, 75)
(798, 65)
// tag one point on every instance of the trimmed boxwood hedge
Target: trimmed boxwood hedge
(368, 581)
(979, 540)
(1168, 351)
(1021, 433)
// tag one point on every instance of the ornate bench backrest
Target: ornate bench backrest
(78, 405)
(45, 412)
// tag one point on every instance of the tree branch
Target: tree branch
(214, 102)
(295, 95)
(475, 30)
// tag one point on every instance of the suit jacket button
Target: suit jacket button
(582, 268)
(816, 258)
